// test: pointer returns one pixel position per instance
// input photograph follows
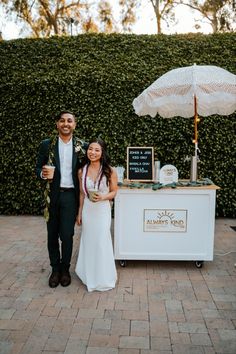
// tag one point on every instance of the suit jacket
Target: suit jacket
(42, 159)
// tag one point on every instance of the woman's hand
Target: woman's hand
(98, 197)
(79, 219)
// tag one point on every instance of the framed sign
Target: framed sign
(140, 164)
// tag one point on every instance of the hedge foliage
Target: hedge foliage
(97, 77)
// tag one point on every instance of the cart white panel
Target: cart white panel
(195, 242)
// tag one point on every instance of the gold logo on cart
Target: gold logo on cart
(167, 220)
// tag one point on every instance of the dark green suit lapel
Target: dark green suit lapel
(56, 154)
(74, 155)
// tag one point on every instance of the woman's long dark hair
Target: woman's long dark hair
(105, 159)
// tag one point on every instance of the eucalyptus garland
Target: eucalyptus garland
(156, 186)
(79, 145)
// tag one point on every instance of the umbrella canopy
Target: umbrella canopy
(187, 92)
(173, 94)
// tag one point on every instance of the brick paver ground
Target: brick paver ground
(156, 307)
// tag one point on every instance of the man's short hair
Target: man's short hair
(59, 115)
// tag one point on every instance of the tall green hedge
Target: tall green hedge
(97, 77)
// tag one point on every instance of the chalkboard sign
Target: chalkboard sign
(140, 163)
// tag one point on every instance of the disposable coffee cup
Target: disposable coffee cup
(92, 193)
(50, 170)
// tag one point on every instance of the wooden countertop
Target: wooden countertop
(156, 186)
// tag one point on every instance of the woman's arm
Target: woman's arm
(81, 198)
(112, 189)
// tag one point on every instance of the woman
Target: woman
(96, 265)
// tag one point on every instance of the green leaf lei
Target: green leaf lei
(79, 146)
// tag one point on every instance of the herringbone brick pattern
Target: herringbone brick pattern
(157, 307)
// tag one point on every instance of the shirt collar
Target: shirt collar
(68, 143)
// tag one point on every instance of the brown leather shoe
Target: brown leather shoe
(54, 279)
(65, 278)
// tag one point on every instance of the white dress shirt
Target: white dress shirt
(65, 155)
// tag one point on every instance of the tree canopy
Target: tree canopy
(45, 18)
(220, 14)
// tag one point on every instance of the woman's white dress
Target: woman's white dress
(96, 265)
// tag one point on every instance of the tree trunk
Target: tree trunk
(55, 25)
(214, 24)
(156, 7)
(159, 24)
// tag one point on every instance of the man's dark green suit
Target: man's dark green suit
(64, 195)
(61, 220)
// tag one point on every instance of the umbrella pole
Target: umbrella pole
(193, 172)
(195, 125)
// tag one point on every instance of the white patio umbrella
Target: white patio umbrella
(187, 92)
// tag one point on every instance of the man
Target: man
(62, 152)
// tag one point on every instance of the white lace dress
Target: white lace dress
(96, 265)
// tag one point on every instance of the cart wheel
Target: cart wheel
(123, 263)
(199, 264)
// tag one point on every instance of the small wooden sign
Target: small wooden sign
(140, 164)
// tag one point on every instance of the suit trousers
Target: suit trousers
(60, 226)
